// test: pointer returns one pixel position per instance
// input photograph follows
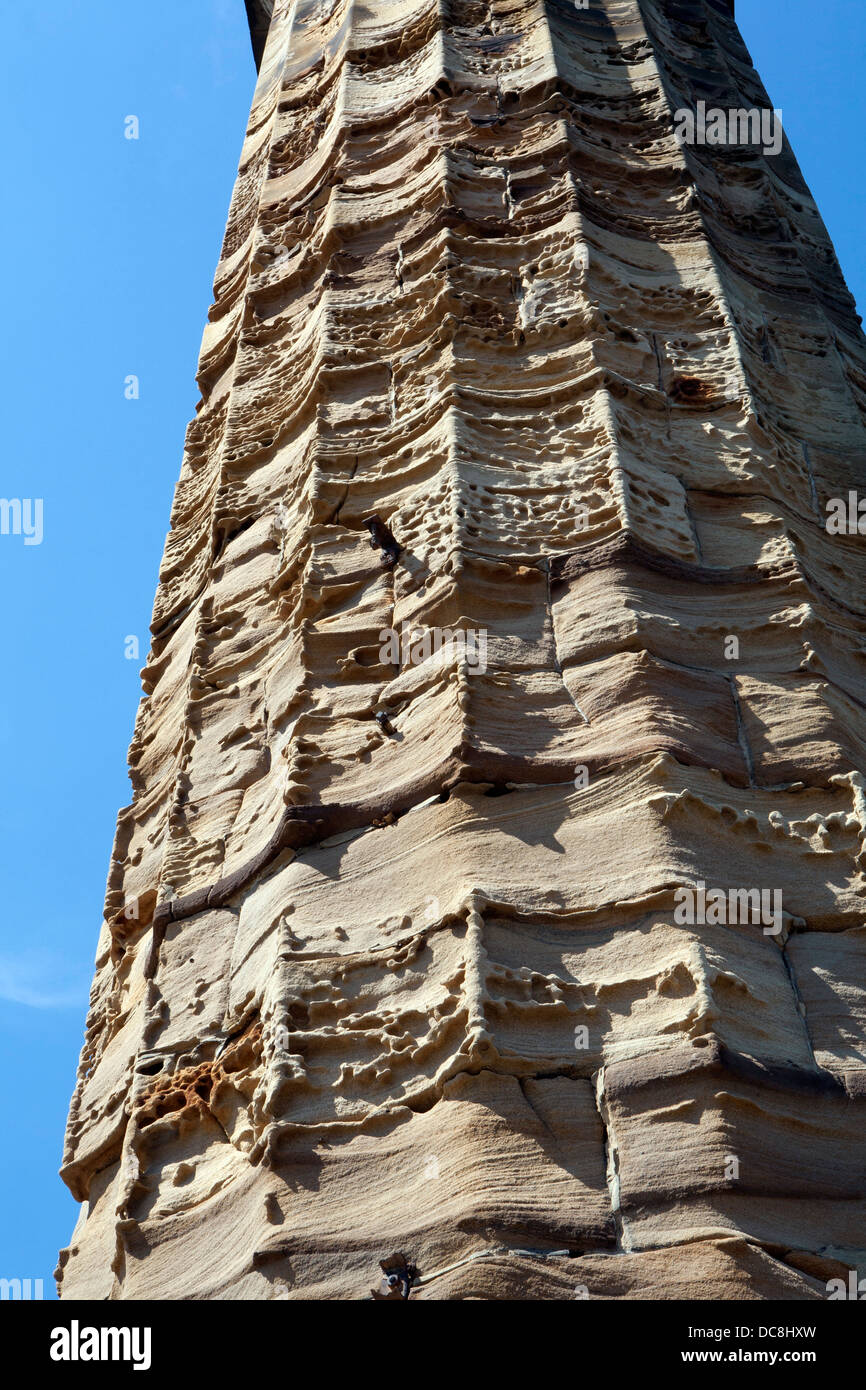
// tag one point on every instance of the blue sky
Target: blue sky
(109, 247)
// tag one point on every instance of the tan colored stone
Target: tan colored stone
(393, 956)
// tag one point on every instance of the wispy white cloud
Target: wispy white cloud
(42, 980)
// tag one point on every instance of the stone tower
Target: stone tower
(492, 891)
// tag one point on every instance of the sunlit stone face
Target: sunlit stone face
(500, 643)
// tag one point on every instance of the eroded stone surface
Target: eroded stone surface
(419, 982)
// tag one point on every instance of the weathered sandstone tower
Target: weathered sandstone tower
(492, 891)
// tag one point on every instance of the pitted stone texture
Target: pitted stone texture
(392, 957)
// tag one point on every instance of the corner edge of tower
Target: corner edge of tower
(259, 14)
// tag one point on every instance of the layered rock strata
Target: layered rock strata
(394, 955)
